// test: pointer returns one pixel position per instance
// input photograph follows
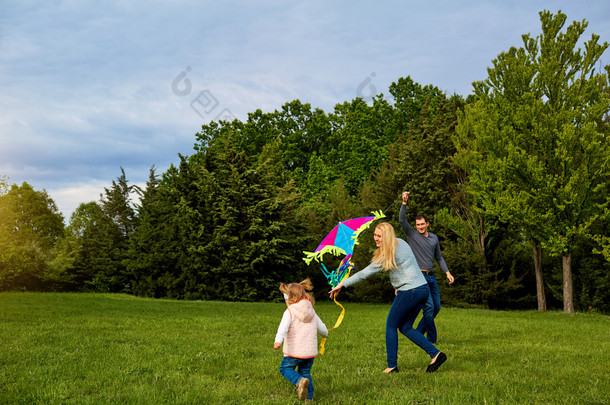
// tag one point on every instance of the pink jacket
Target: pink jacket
(302, 336)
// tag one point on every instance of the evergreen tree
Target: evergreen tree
(152, 259)
(98, 237)
(251, 206)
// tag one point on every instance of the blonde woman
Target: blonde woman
(395, 256)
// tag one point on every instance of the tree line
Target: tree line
(514, 179)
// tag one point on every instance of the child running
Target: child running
(299, 330)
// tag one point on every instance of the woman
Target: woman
(396, 257)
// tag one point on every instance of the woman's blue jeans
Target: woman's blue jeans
(404, 310)
(431, 309)
(288, 369)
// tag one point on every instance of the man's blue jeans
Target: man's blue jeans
(288, 369)
(404, 310)
(431, 309)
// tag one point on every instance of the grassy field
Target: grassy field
(118, 349)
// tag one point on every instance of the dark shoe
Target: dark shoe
(391, 370)
(442, 357)
(302, 386)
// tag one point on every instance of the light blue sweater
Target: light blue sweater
(405, 277)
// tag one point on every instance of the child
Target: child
(300, 326)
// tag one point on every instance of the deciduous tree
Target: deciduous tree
(30, 225)
(534, 143)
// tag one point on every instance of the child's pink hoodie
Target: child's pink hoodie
(300, 326)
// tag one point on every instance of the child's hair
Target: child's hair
(298, 291)
(385, 255)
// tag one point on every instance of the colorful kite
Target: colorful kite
(340, 241)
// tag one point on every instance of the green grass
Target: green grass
(118, 349)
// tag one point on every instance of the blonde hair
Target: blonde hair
(298, 291)
(385, 255)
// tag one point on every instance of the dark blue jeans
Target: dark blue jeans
(288, 369)
(404, 310)
(431, 309)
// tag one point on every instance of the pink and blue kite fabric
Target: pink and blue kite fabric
(341, 241)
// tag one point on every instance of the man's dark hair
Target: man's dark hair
(420, 216)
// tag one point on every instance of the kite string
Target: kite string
(393, 202)
(382, 215)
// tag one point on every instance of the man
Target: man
(426, 247)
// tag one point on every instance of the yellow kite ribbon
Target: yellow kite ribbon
(339, 320)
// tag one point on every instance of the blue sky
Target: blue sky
(89, 87)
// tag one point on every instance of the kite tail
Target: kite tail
(339, 320)
(342, 314)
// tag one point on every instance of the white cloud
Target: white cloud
(69, 198)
